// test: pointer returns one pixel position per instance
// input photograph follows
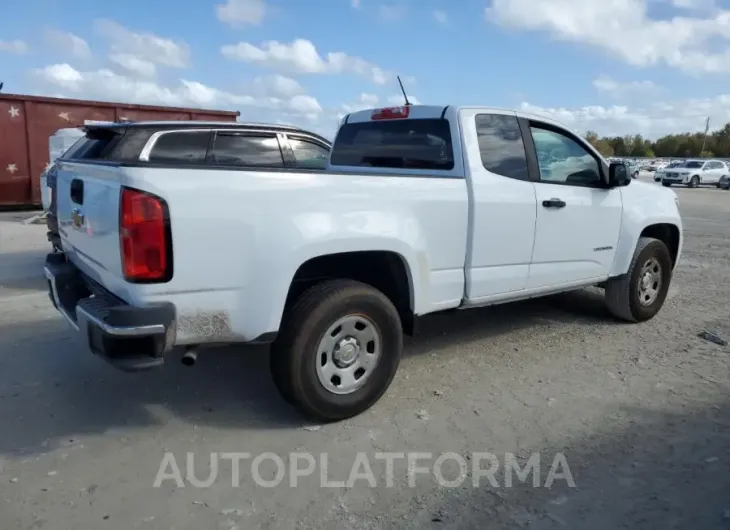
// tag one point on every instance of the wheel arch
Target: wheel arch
(386, 270)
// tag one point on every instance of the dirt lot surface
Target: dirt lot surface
(641, 414)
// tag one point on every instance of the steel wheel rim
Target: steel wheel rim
(348, 353)
(650, 282)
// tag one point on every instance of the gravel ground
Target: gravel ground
(640, 413)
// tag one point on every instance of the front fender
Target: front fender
(644, 206)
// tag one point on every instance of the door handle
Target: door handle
(77, 191)
(554, 203)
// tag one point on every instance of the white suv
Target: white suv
(695, 172)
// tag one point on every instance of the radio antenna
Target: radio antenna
(405, 96)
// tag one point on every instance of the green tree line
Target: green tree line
(685, 145)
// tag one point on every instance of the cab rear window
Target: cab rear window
(397, 144)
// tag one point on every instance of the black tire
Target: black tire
(694, 182)
(295, 353)
(666, 184)
(622, 293)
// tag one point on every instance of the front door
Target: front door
(578, 218)
(712, 172)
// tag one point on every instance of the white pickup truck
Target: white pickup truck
(178, 240)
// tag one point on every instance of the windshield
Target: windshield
(693, 164)
(404, 144)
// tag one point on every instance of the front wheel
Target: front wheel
(666, 184)
(638, 295)
(694, 182)
(338, 350)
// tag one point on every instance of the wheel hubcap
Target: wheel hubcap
(348, 353)
(650, 281)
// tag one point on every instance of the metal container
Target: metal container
(27, 122)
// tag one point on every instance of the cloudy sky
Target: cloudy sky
(614, 66)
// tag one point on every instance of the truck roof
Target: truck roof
(194, 124)
(441, 111)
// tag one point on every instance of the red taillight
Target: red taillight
(392, 113)
(143, 237)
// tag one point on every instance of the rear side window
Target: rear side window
(188, 147)
(403, 144)
(500, 145)
(247, 150)
(98, 144)
(308, 154)
(76, 147)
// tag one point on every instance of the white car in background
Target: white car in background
(660, 172)
(693, 173)
(58, 143)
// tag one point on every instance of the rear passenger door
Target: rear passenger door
(308, 153)
(246, 149)
(503, 205)
(714, 170)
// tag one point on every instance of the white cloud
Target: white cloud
(134, 65)
(278, 85)
(14, 46)
(440, 16)
(238, 13)
(364, 101)
(62, 75)
(147, 46)
(355, 3)
(397, 99)
(693, 4)
(619, 89)
(652, 120)
(107, 85)
(305, 104)
(68, 43)
(391, 12)
(625, 29)
(301, 56)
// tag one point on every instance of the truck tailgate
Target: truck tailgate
(88, 217)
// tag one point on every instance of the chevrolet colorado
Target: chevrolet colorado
(421, 209)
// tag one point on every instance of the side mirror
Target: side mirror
(618, 175)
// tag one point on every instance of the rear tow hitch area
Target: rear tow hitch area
(130, 338)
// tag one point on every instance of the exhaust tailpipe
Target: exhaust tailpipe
(189, 357)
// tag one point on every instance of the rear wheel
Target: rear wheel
(338, 350)
(694, 182)
(640, 293)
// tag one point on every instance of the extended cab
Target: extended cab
(422, 209)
